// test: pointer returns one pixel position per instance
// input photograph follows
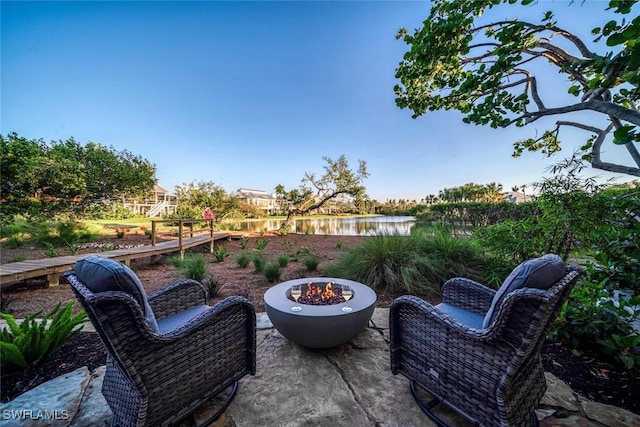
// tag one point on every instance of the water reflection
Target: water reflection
(401, 225)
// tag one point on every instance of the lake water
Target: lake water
(341, 226)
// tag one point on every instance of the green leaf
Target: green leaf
(10, 356)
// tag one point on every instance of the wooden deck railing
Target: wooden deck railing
(185, 228)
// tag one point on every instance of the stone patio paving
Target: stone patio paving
(350, 385)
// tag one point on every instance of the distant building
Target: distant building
(259, 199)
(158, 203)
(517, 197)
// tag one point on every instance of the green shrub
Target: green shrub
(221, 252)
(51, 250)
(26, 344)
(243, 259)
(591, 320)
(386, 263)
(418, 264)
(194, 267)
(311, 262)
(243, 242)
(272, 272)
(176, 261)
(258, 263)
(261, 244)
(18, 258)
(449, 255)
(283, 260)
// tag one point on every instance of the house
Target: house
(258, 199)
(517, 197)
(158, 203)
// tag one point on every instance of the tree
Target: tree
(486, 71)
(314, 192)
(40, 179)
(195, 197)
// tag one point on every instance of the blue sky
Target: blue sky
(253, 94)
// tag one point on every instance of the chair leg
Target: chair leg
(428, 406)
(224, 406)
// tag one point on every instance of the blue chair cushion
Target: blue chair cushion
(181, 318)
(100, 274)
(468, 318)
(540, 273)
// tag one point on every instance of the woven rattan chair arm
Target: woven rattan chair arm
(467, 294)
(176, 297)
(213, 319)
(421, 311)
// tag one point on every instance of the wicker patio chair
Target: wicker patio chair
(479, 350)
(169, 353)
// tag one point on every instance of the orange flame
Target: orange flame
(317, 292)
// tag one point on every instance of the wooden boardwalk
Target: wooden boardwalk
(51, 268)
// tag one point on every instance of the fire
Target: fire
(318, 293)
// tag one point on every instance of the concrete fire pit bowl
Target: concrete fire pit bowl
(319, 326)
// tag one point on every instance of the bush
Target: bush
(261, 244)
(259, 263)
(591, 320)
(386, 263)
(243, 259)
(26, 344)
(418, 264)
(272, 272)
(283, 260)
(311, 262)
(193, 266)
(221, 252)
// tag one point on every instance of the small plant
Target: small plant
(193, 266)
(243, 242)
(175, 261)
(243, 259)
(19, 258)
(261, 244)
(620, 349)
(272, 272)
(311, 262)
(259, 263)
(287, 243)
(283, 260)
(73, 247)
(212, 285)
(120, 233)
(51, 250)
(5, 301)
(339, 244)
(221, 252)
(301, 253)
(26, 344)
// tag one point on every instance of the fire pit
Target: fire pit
(325, 323)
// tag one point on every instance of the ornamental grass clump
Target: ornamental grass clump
(283, 260)
(272, 272)
(243, 259)
(418, 264)
(194, 267)
(28, 343)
